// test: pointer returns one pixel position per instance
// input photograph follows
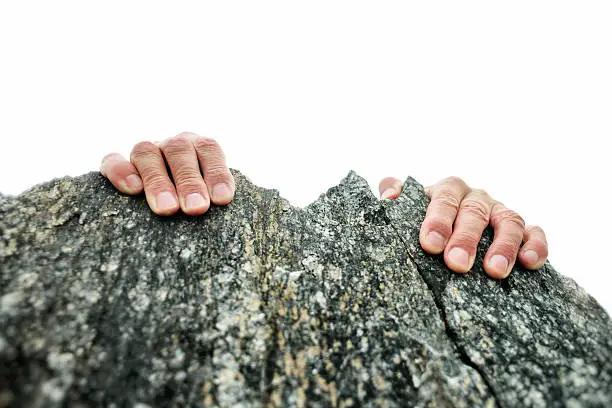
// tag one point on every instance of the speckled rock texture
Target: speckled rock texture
(259, 303)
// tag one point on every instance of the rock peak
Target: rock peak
(260, 303)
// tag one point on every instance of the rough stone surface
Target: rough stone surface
(259, 303)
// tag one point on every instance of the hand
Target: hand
(471, 211)
(185, 155)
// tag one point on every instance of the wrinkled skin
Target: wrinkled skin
(456, 216)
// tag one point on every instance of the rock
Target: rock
(259, 303)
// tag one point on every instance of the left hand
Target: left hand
(197, 165)
(456, 217)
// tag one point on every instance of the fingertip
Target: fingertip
(104, 163)
(132, 185)
(458, 260)
(164, 203)
(121, 173)
(195, 204)
(433, 242)
(222, 194)
(497, 266)
(390, 193)
(534, 252)
(530, 259)
(389, 187)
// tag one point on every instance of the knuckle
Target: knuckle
(454, 180)
(535, 228)
(142, 149)
(177, 145)
(206, 144)
(187, 135)
(496, 205)
(479, 192)
(536, 233)
(447, 199)
(476, 209)
(506, 215)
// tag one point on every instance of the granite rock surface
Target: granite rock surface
(260, 303)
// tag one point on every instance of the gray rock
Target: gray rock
(259, 303)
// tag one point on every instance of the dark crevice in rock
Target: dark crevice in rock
(269, 366)
(266, 249)
(451, 334)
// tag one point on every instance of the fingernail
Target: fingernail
(165, 201)
(133, 182)
(531, 256)
(459, 257)
(390, 192)
(194, 201)
(435, 240)
(499, 264)
(221, 192)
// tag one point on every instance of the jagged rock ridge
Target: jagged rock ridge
(260, 303)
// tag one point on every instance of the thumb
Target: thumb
(390, 187)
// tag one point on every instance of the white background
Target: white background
(515, 98)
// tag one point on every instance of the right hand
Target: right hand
(185, 154)
(456, 217)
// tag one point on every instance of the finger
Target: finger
(472, 218)
(441, 213)
(183, 161)
(534, 252)
(389, 187)
(217, 176)
(509, 228)
(121, 173)
(159, 190)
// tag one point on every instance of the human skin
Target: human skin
(455, 219)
